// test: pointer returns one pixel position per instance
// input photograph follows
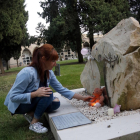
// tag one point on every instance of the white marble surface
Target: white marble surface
(124, 124)
(105, 130)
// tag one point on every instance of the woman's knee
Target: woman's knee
(49, 98)
(55, 104)
(46, 100)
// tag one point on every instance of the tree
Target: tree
(117, 10)
(65, 27)
(6, 56)
(92, 13)
(32, 39)
(16, 56)
(92, 16)
(53, 35)
(12, 26)
(50, 9)
(135, 8)
(26, 40)
(102, 15)
(50, 12)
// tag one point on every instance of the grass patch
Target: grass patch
(67, 61)
(15, 69)
(70, 76)
(16, 127)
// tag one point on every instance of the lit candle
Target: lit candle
(110, 111)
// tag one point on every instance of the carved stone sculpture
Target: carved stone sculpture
(120, 51)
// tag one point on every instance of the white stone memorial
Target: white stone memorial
(120, 50)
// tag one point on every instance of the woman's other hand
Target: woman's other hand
(42, 92)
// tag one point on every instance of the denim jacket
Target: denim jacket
(27, 81)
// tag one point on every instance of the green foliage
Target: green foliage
(12, 25)
(68, 16)
(50, 12)
(13, 32)
(16, 127)
(50, 9)
(9, 52)
(16, 55)
(54, 34)
(13, 20)
(116, 11)
(135, 8)
(26, 40)
(101, 15)
(32, 39)
(67, 62)
(64, 25)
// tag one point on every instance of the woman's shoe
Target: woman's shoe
(38, 128)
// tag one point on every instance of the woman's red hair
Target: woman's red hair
(49, 53)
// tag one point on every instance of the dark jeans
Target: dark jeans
(39, 105)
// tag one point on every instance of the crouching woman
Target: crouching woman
(31, 95)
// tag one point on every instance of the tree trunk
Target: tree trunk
(17, 63)
(1, 66)
(78, 40)
(91, 38)
(7, 66)
(80, 57)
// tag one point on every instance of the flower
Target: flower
(117, 108)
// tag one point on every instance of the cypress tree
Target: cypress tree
(12, 27)
(135, 9)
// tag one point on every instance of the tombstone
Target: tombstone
(20, 63)
(57, 70)
(119, 49)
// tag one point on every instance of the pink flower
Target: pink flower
(117, 108)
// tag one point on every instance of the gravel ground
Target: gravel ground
(98, 114)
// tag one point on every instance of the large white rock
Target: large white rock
(90, 77)
(122, 76)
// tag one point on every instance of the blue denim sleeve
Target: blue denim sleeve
(17, 91)
(57, 86)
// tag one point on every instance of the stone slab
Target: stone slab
(122, 128)
(119, 128)
(70, 120)
(65, 106)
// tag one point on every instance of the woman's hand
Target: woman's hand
(42, 92)
(84, 98)
(87, 98)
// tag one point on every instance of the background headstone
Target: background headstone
(57, 70)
